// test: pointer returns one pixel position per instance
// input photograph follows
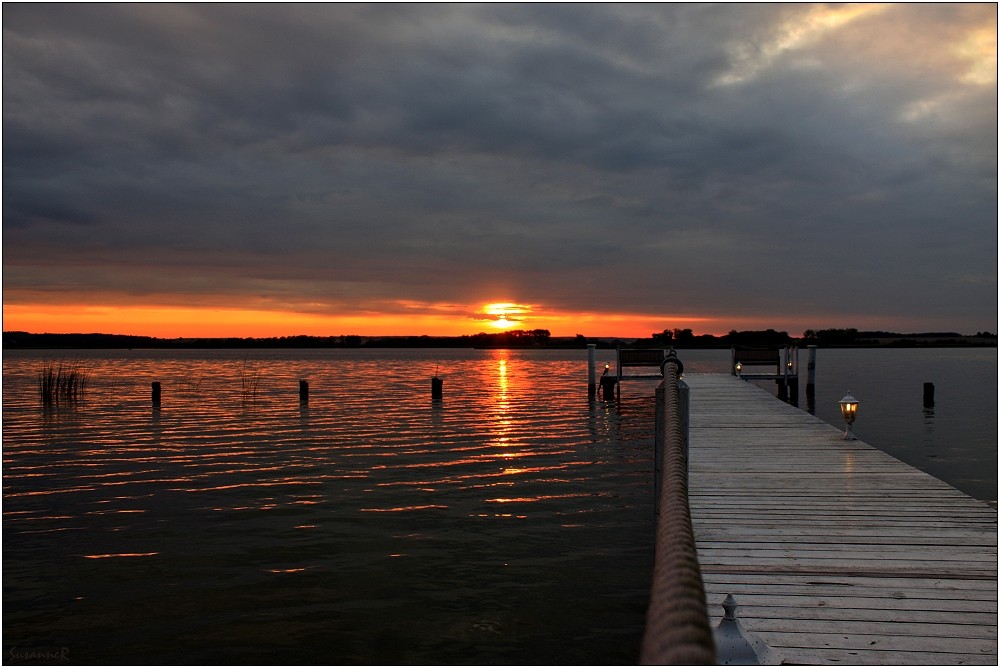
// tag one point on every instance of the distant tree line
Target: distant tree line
(510, 339)
(532, 338)
(853, 337)
(685, 338)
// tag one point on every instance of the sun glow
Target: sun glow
(506, 315)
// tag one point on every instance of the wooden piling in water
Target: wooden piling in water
(792, 374)
(156, 393)
(591, 370)
(811, 381)
(608, 384)
(304, 391)
(437, 388)
(928, 395)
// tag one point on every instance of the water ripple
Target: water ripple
(248, 526)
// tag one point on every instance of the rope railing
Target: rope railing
(678, 631)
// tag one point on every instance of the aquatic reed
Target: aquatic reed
(249, 381)
(61, 382)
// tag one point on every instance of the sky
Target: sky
(446, 169)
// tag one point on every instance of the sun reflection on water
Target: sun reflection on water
(501, 415)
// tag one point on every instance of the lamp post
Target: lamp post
(849, 410)
(739, 368)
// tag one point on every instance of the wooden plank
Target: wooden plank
(819, 570)
(941, 645)
(808, 602)
(864, 535)
(839, 583)
(874, 627)
(777, 537)
(979, 624)
(876, 656)
(839, 515)
(969, 554)
(837, 552)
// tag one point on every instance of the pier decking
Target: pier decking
(836, 552)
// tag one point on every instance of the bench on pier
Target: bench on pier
(745, 357)
(638, 358)
(782, 360)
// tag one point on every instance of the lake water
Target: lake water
(955, 440)
(510, 523)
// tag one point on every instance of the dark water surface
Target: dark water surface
(511, 523)
(955, 440)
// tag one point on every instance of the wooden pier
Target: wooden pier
(836, 552)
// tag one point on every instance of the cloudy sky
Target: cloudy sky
(606, 169)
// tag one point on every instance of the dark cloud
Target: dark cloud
(725, 159)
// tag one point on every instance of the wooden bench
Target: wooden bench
(640, 357)
(756, 357)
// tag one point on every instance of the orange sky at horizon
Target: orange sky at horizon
(196, 322)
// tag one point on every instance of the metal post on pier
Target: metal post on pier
(591, 370)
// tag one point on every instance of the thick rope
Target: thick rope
(678, 631)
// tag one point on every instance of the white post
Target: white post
(591, 370)
(811, 381)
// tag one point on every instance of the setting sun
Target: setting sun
(505, 315)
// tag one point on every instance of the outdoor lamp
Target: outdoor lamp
(739, 367)
(849, 409)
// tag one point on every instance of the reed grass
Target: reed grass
(61, 382)
(249, 382)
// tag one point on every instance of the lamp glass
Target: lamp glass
(849, 409)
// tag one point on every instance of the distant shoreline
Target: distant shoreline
(532, 339)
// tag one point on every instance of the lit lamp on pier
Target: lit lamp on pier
(739, 368)
(849, 409)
